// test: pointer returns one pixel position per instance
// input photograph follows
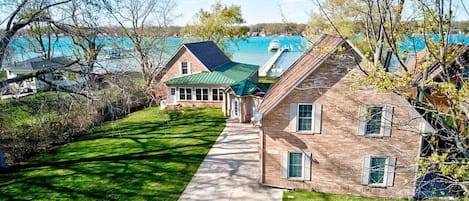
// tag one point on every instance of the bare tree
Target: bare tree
(145, 23)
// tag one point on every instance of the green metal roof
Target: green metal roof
(228, 73)
(237, 71)
(202, 78)
(244, 88)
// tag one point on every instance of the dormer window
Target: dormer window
(185, 68)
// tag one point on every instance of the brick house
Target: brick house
(319, 134)
(199, 74)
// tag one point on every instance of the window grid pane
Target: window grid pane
(204, 94)
(188, 94)
(184, 69)
(198, 94)
(377, 170)
(182, 94)
(220, 94)
(295, 165)
(305, 116)
(214, 94)
(373, 125)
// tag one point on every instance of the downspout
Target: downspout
(261, 154)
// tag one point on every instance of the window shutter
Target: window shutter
(366, 170)
(307, 166)
(386, 121)
(293, 117)
(284, 165)
(180, 68)
(317, 118)
(362, 119)
(189, 68)
(391, 171)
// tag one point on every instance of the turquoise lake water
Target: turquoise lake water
(251, 51)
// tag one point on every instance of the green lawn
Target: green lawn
(150, 155)
(315, 196)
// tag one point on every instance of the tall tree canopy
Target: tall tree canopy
(220, 23)
(434, 79)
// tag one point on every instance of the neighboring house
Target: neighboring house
(63, 77)
(456, 71)
(200, 73)
(318, 133)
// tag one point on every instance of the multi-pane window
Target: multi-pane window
(373, 125)
(305, 117)
(185, 93)
(184, 68)
(295, 165)
(201, 94)
(217, 94)
(377, 170)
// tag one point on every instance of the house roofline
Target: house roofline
(304, 76)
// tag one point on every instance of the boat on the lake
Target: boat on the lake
(274, 45)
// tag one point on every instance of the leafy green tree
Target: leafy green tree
(220, 24)
(433, 80)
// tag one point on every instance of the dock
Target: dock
(270, 63)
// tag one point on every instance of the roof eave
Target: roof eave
(301, 79)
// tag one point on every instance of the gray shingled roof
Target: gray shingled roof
(38, 63)
(208, 53)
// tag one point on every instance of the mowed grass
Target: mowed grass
(150, 155)
(302, 195)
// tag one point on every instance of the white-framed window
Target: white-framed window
(378, 171)
(185, 68)
(201, 94)
(305, 117)
(185, 93)
(296, 165)
(236, 108)
(375, 120)
(217, 94)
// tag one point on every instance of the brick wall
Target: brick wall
(174, 70)
(338, 152)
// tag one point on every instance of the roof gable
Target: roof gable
(208, 53)
(302, 68)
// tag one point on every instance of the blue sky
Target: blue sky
(258, 11)
(254, 11)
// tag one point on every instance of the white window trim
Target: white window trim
(387, 114)
(201, 93)
(302, 166)
(185, 92)
(189, 70)
(298, 121)
(385, 175)
(218, 94)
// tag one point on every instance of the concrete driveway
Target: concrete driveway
(230, 171)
